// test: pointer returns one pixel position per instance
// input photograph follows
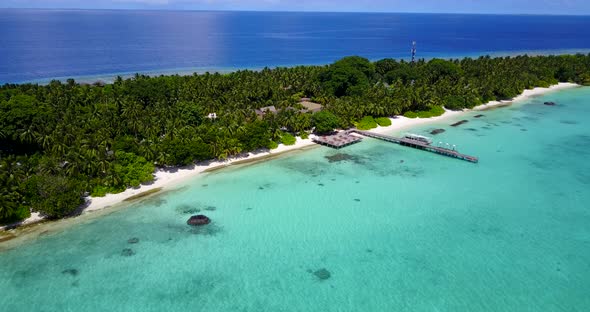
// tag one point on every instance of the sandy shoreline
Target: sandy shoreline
(169, 178)
(166, 179)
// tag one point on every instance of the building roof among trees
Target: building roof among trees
(311, 106)
(263, 110)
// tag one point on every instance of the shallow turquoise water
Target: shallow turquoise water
(511, 233)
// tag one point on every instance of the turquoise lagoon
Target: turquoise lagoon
(397, 230)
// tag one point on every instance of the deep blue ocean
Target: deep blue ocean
(38, 45)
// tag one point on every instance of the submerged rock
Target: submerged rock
(187, 209)
(478, 116)
(133, 240)
(459, 123)
(158, 202)
(198, 220)
(206, 230)
(322, 274)
(127, 252)
(210, 208)
(339, 157)
(437, 131)
(72, 272)
(343, 157)
(568, 122)
(549, 103)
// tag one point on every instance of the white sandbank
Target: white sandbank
(168, 178)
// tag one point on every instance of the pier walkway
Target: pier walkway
(416, 144)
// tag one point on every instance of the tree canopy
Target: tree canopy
(61, 141)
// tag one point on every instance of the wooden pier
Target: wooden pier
(338, 140)
(416, 144)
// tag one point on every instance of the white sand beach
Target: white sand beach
(527, 94)
(169, 178)
(401, 122)
(166, 179)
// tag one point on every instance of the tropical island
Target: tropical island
(64, 141)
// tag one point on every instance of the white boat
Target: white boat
(417, 137)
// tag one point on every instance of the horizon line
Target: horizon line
(294, 11)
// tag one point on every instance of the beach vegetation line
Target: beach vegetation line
(63, 141)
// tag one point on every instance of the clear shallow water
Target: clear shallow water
(38, 45)
(511, 233)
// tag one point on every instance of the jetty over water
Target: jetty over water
(416, 144)
(346, 138)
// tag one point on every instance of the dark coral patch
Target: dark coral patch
(187, 209)
(322, 274)
(127, 252)
(344, 157)
(568, 122)
(72, 272)
(459, 123)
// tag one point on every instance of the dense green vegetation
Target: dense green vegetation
(288, 139)
(432, 112)
(366, 123)
(325, 122)
(383, 121)
(61, 141)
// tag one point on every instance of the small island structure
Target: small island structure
(338, 140)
